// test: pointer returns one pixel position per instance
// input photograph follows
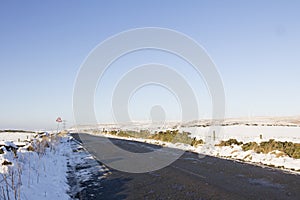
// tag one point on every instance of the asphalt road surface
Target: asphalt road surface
(191, 177)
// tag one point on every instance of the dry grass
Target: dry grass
(62, 133)
(120, 133)
(173, 136)
(30, 148)
(248, 157)
(278, 153)
(5, 162)
(234, 151)
(289, 148)
(286, 148)
(196, 142)
(229, 142)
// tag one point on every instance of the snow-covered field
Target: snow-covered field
(16, 136)
(247, 133)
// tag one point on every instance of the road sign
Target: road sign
(58, 120)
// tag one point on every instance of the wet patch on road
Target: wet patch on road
(264, 183)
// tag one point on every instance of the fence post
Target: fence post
(214, 135)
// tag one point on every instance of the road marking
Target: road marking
(189, 172)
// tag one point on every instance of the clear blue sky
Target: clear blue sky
(255, 45)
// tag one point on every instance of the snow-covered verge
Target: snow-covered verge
(45, 166)
(34, 171)
(82, 168)
(246, 134)
(272, 159)
(243, 133)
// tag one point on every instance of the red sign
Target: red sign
(58, 120)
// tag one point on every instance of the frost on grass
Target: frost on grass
(34, 170)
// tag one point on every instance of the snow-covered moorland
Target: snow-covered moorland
(50, 167)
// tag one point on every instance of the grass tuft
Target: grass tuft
(174, 136)
(289, 148)
(5, 162)
(286, 148)
(229, 142)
